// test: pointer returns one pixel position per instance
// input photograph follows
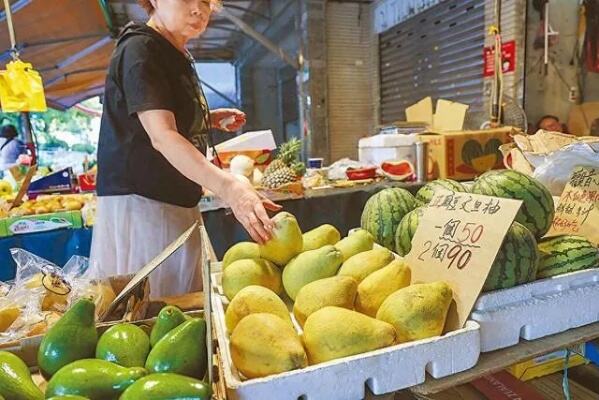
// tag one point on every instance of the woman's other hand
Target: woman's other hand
(249, 207)
(227, 119)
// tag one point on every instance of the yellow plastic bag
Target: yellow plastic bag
(21, 88)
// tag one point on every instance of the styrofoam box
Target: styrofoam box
(384, 371)
(537, 309)
(376, 149)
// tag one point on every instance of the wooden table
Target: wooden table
(498, 360)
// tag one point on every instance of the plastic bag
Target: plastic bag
(336, 171)
(555, 169)
(42, 292)
(21, 88)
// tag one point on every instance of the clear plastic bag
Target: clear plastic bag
(42, 292)
(555, 169)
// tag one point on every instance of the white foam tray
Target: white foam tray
(537, 309)
(384, 371)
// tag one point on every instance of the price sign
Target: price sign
(578, 208)
(457, 240)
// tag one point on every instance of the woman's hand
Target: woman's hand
(249, 207)
(227, 119)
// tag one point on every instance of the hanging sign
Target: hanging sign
(457, 240)
(508, 58)
(578, 208)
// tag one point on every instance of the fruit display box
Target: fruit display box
(383, 371)
(40, 223)
(537, 309)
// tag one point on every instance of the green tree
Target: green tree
(46, 125)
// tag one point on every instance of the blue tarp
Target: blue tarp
(55, 246)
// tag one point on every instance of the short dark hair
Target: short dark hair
(544, 117)
(9, 132)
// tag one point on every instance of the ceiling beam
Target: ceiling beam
(49, 42)
(248, 11)
(16, 6)
(80, 54)
(61, 77)
(260, 38)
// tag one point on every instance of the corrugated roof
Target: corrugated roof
(70, 43)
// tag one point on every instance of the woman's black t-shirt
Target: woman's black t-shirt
(148, 73)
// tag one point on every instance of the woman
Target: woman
(10, 147)
(151, 169)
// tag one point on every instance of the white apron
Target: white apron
(131, 230)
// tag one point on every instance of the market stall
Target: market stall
(424, 249)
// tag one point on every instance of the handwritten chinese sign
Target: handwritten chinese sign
(457, 240)
(578, 209)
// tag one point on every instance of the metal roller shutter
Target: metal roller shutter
(350, 77)
(436, 53)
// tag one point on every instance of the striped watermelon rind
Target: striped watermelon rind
(537, 209)
(567, 253)
(516, 262)
(425, 194)
(406, 230)
(384, 211)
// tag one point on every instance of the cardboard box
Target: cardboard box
(40, 223)
(464, 155)
(57, 182)
(548, 364)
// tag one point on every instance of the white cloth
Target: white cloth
(131, 230)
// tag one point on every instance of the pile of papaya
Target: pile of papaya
(124, 363)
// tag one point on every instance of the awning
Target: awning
(67, 41)
(70, 42)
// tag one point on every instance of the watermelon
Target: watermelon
(426, 193)
(537, 209)
(516, 262)
(383, 213)
(566, 253)
(406, 230)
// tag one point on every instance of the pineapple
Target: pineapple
(289, 152)
(279, 178)
(286, 167)
(274, 166)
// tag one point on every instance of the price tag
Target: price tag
(457, 240)
(578, 208)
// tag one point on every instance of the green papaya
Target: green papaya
(15, 379)
(168, 319)
(166, 387)
(124, 344)
(67, 397)
(94, 379)
(73, 337)
(181, 351)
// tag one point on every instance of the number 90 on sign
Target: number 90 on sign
(457, 254)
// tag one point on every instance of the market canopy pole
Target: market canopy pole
(25, 118)
(260, 38)
(11, 30)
